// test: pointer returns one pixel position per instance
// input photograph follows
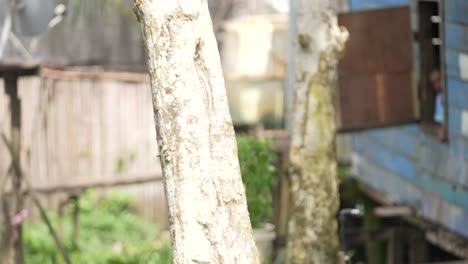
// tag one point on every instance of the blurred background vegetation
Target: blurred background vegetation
(109, 232)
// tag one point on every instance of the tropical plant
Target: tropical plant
(257, 162)
(109, 233)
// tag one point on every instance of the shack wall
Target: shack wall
(409, 166)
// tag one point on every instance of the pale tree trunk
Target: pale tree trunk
(312, 234)
(209, 221)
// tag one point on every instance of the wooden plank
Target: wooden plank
(457, 93)
(459, 148)
(11, 88)
(452, 64)
(457, 64)
(105, 182)
(343, 149)
(434, 233)
(412, 129)
(93, 73)
(397, 140)
(397, 190)
(392, 211)
(456, 10)
(282, 201)
(455, 118)
(398, 164)
(19, 69)
(383, 78)
(409, 171)
(456, 36)
(357, 5)
(449, 262)
(430, 156)
(385, 183)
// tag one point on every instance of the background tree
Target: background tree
(208, 215)
(312, 231)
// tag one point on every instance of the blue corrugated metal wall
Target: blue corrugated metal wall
(410, 166)
(456, 37)
(356, 5)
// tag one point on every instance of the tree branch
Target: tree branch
(16, 166)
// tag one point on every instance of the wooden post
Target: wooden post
(7, 234)
(281, 209)
(375, 247)
(61, 208)
(75, 219)
(395, 248)
(291, 64)
(74, 200)
(418, 247)
(15, 116)
(282, 200)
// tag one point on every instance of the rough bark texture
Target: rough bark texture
(312, 228)
(208, 215)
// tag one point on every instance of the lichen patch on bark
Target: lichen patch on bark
(312, 234)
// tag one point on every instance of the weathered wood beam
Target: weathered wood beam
(77, 186)
(434, 233)
(18, 69)
(11, 88)
(99, 73)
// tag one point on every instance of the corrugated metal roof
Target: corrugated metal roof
(92, 32)
(104, 32)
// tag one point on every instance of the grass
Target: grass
(109, 233)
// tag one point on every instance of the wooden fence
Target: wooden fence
(85, 125)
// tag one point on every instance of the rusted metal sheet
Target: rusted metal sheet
(376, 74)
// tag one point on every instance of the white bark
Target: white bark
(208, 215)
(312, 228)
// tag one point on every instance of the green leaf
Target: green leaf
(257, 160)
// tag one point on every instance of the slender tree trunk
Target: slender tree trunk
(209, 221)
(313, 228)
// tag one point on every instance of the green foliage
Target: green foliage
(124, 159)
(109, 233)
(92, 9)
(257, 158)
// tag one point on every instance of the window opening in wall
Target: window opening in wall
(432, 71)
